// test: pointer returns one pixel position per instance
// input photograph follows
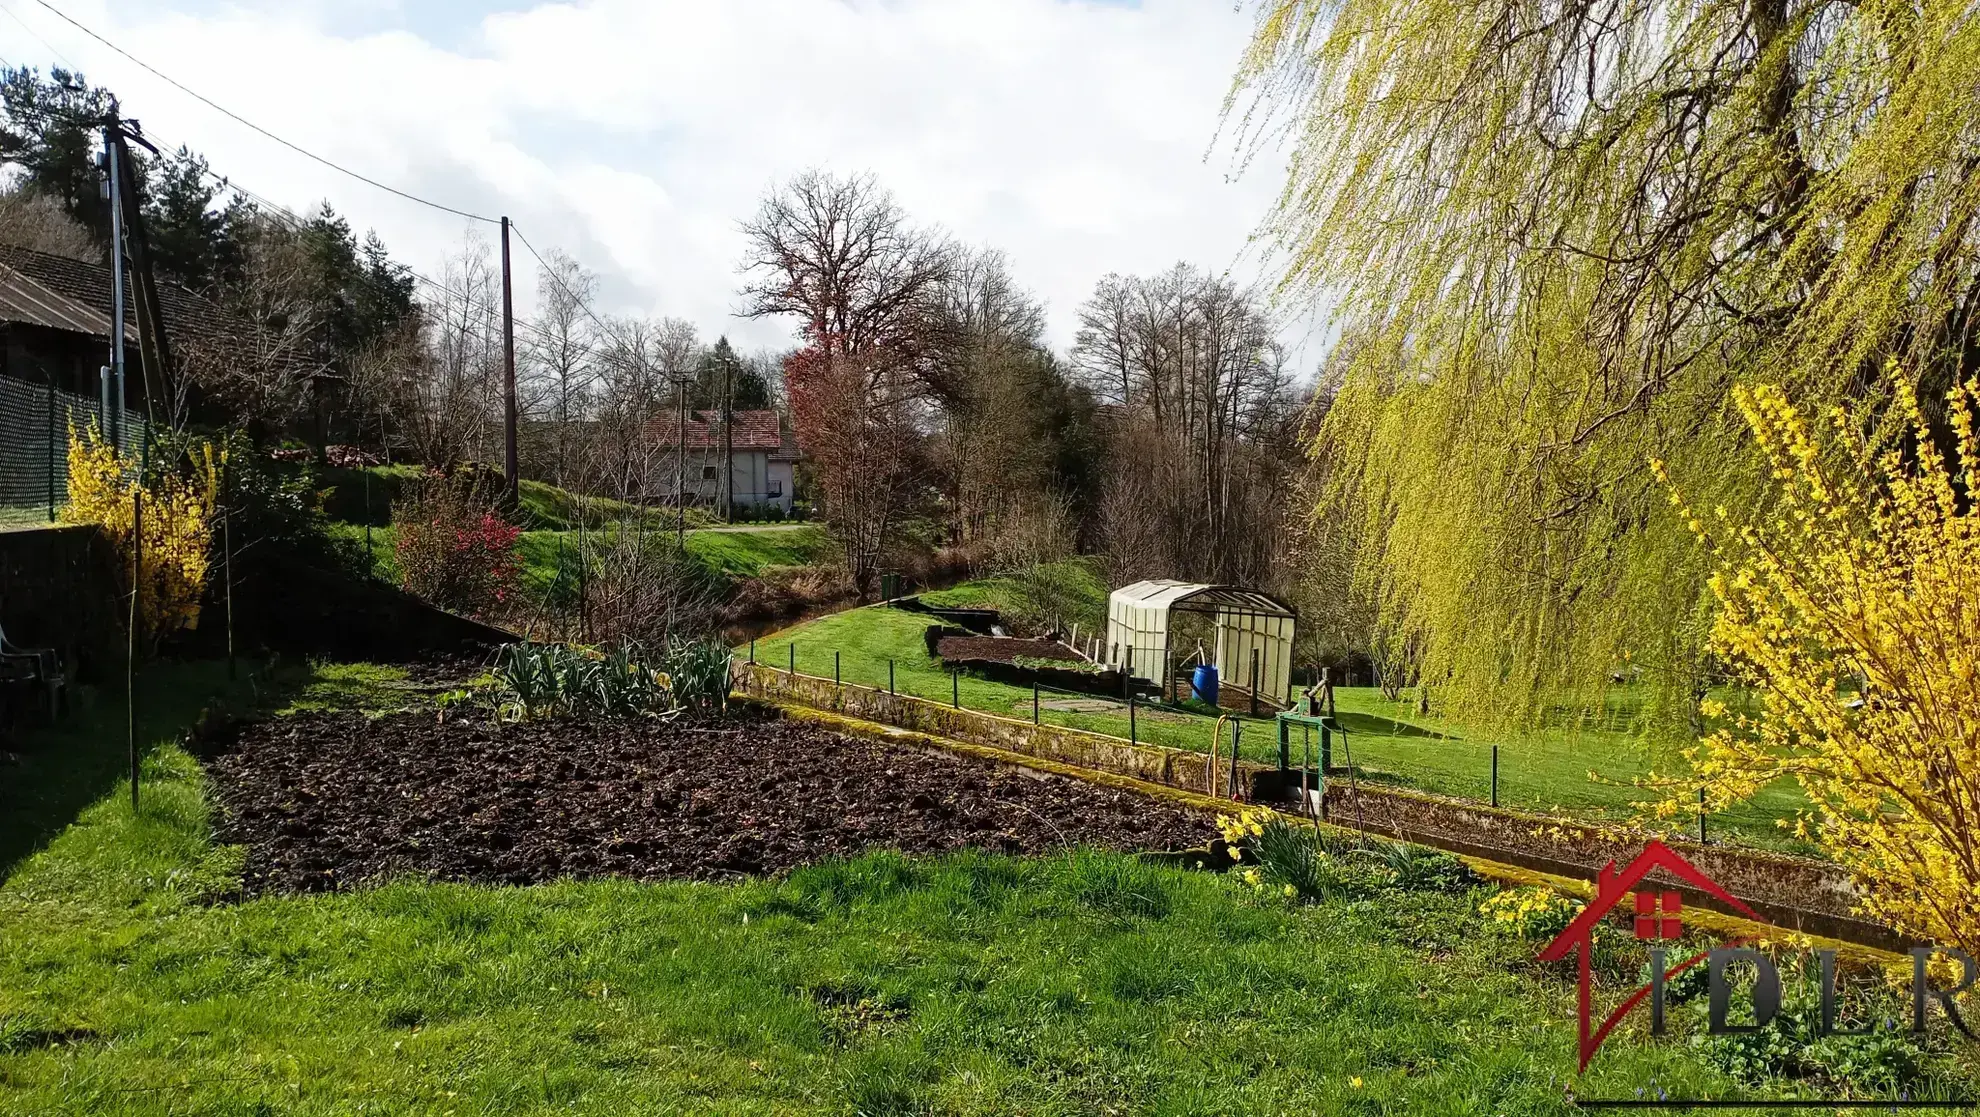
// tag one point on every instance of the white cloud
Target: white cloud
(636, 133)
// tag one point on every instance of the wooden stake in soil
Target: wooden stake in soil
(890, 676)
(794, 659)
(835, 668)
(1701, 816)
(955, 687)
(1133, 738)
(1034, 700)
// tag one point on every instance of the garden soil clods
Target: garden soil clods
(331, 800)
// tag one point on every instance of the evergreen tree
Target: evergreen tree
(191, 228)
(721, 368)
(51, 130)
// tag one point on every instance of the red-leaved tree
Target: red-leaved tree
(852, 414)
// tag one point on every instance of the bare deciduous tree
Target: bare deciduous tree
(557, 371)
(266, 371)
(1204, 428)
(37, 221)
(460, 395)
(839, 255)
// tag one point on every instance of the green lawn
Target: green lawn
(130, 983)
(1547, 770)
(746, 553)
(729, 552)
(359, 496)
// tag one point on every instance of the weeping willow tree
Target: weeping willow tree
(1559, 232)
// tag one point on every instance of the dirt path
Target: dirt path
(327, 801)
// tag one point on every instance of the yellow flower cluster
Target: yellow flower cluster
(1531, 912)
(175, 528)
(1248, 824)
(1851, 609)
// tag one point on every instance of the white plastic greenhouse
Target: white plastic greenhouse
(1245, 622)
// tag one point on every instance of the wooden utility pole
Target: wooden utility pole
(728, 440)
(509, 473)
(680, 465)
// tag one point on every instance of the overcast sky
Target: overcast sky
(1075, 135)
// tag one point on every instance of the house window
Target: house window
(707, 473)
(776, 488)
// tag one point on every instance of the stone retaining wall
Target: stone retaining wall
(1792, 892)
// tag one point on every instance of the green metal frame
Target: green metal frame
(1327, 727)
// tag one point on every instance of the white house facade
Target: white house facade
(760, 453)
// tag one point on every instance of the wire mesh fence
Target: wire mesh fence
(1545, 776)
(35, 420)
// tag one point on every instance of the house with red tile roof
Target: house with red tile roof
(760, 453)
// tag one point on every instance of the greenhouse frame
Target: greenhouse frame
(1247, 621)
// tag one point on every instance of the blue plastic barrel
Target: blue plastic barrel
(1203, 684)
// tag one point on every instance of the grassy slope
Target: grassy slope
(1082, 578)
(733, 554)
(1547, 770)
(976, 984)
(358, 496)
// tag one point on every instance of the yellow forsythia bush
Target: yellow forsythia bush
(177, 525)
(1853, 613)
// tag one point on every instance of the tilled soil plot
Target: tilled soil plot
(1003, 649)
(325, 801)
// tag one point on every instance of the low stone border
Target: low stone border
(1792, 892)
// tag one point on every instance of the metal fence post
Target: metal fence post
(1133, 737)
(835, 669)
(1495, 775)
(890, 676)
(752, 651)
(51, 447)
(1034, 700)
(227, 566)
(794, 659)
(1701, 816)
(955, 687)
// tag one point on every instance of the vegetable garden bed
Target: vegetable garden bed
(330, 800)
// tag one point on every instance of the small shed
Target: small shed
(1245, 622)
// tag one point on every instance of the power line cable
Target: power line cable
(237, 118)
(37, 37)
(559, 281)
(280, 213)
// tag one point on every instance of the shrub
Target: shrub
(167, 512)
(1850, 608)
(454, 549)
